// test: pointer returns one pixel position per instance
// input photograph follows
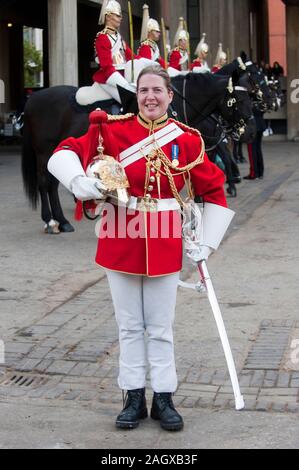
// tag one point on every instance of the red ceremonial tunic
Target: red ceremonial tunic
(150, 50)
(151, 253)
(216, 68)
(195, 63)
(110, 59)
(175, 59)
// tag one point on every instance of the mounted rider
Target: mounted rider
(179, 56)
(112, 54)
(200, 65)
(221, 59)
(150, 35)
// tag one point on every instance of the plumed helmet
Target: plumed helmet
(108, 7)
(148, 24)
(221, 55)
(202, 46)
(181, 32)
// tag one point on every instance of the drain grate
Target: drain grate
(23, 380)
(269, 348)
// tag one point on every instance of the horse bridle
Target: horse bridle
(237, 130)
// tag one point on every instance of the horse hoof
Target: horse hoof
(66, 228)
(52, 227)
(231, 190)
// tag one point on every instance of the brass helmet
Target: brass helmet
(202, 46)
(108, 7)
(111, 174)
(221, 55)
(181, 32)
(148, 24)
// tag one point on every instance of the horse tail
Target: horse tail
(29, 163)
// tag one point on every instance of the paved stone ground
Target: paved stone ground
(58, 326)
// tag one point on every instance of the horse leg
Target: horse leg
(224, 153)
(51, 226)
(64, 224)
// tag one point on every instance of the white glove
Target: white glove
(199, 254)
(85, 188)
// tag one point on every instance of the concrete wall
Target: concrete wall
(292, 21)
(227, 22)
(4, 68)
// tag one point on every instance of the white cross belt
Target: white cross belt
(145, 146)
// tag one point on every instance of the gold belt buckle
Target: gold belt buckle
(147, 204)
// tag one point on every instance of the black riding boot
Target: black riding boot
(163, 409)
(134, 409)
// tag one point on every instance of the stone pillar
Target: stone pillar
(63, 47)
(292, 19)
(4, 69)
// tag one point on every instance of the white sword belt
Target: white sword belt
(148, 204)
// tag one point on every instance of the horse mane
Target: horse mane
(203, 92)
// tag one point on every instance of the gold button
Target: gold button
(148, 196)
(150, 187)
(152, 179)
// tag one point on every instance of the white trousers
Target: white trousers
(145, 310)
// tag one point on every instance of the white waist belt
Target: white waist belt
(149, 205)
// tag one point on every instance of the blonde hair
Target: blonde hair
(155, 70)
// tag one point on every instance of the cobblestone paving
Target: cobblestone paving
(71, 354)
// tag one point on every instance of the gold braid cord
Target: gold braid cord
(120, 117)
(158, 155)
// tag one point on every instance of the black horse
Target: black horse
(51, 115)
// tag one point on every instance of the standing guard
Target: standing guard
(221, 59)
(179, 57)
(150, 35)
(200, 64)
(112, 54)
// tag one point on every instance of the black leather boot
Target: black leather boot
(163, 409)
(134, 409)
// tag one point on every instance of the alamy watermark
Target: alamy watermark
(294, 96)
(295, 351)
(2, 92)
(2, 352)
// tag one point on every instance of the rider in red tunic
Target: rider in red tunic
(179, 56)
(200, 65)
(150, 35)
(221, 59)
(112, 54)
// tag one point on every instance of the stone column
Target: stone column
(292, 18)
(63, 47)
(4, 69)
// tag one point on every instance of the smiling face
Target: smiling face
(153, 96)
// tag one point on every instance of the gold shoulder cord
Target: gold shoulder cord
(119, 117)
(157, 156)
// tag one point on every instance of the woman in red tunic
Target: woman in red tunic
(140, 245)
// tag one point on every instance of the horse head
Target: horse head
(260, 90)
(236, 110)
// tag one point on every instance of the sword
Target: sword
(206, 280)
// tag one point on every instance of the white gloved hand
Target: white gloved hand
(85, 188)
(199, 254)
